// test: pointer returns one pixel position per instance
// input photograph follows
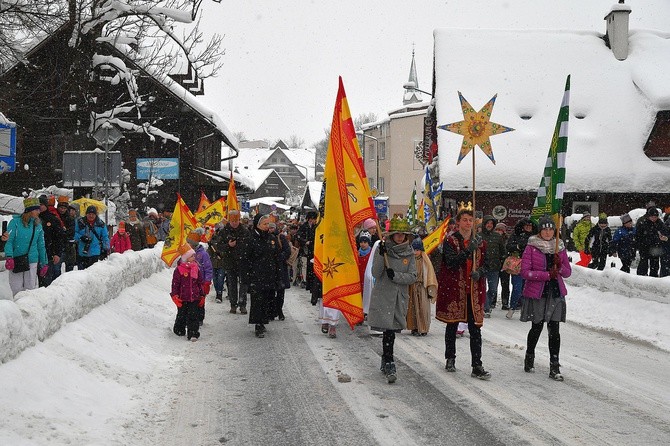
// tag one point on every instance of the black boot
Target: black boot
(382, 368)
(390, 372)
(479, 372)
(451, 365)
(219, 298)
(555, 371)
(260, 331)
(529, 364)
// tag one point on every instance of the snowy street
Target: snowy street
(119, 376)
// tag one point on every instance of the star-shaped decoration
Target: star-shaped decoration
(476, 128)
(330, 267)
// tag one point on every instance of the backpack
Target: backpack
(151, 232)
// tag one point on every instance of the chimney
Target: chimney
(617, 30)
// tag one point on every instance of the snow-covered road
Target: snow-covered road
(118, 376)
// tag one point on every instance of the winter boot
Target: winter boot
(382, 368)
(479, 373)
(233, 310)
(243, 310)
(529, 364)
(555, 371)
(281, 316)
(324, 328)
(259, 331)
(219, 298)
(390, 372)
(451, 365)
(332, 331)
(510, 314)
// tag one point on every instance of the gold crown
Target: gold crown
(462, 206)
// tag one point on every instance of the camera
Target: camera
(87, 243)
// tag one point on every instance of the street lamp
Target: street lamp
(411, 85)
(376, 155)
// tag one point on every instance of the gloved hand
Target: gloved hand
(9, 264)
(202, 302)
(475, 242)
(390, 273)
(553, 273)
(177, 301)
(206, 286)
(43, 271)
(476, 275)
(557, 261)
(381, 249)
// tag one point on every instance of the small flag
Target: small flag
(210, 216)
(430, 214)
(411, 209)
(550, 193)
(181, 224)
(232, 203)
(204, 202)
(435, 238)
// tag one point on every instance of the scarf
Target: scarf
(545, 246)
(363, 252)
(187, 269)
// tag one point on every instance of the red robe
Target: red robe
(453, 291)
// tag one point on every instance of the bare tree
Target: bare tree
(364, 118)
(296, 142)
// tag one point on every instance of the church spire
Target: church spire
(412, 96)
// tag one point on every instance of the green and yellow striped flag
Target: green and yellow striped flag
(550, 193)
(411, 209)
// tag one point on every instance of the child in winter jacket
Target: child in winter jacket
(121, 240)
(187, 294)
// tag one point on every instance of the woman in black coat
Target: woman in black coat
(285, 277)
(261, 272)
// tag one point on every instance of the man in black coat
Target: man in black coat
(231, 245)
(54, 239)
(495, 253)
(70, 246)
(650, 235)
(305, 237)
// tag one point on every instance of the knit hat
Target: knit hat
(652, 212)
(625, 218)
(586, 214)
(92, 210)
(186, 251)
(31, 204)
(152, 211)
(43, 199)
(364, 236)
(63, 200)
(502, 226)
(602, 221)
(546, 222)
(312, 215)
(195, 236)
(234, 215)
(369, 224)
(122, 227)
(417, 244)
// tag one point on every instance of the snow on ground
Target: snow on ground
(106, 369)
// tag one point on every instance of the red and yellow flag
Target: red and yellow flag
(347, 203)
(204, 202)
(433, 240)
(210, 216)
(232, 203)
(181, 224)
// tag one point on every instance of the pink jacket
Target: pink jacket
(120, 243)
(534, 271)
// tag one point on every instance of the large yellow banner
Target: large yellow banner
(181, 224)
(347, 202)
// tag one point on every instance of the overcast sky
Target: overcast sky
(283, 59)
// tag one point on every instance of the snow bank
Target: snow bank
(634, 306)
(37, 314)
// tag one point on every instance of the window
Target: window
(382, 150)
(381, 184)
(371, 182)
(274, 159)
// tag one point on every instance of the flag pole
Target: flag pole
(474, 228)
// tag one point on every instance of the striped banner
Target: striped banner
(550, 193)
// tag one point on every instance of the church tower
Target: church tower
(412, 96)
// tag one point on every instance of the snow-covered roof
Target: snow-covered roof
(613, 105)
(251, 159)
(314, 191)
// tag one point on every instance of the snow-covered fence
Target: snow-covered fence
(36, 314)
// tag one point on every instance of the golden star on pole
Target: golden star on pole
(476, 128)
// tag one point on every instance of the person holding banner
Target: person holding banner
(394, 269)
(544, 264)
(461, 293)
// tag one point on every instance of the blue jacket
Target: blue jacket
(99, 243)
(19, 238)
